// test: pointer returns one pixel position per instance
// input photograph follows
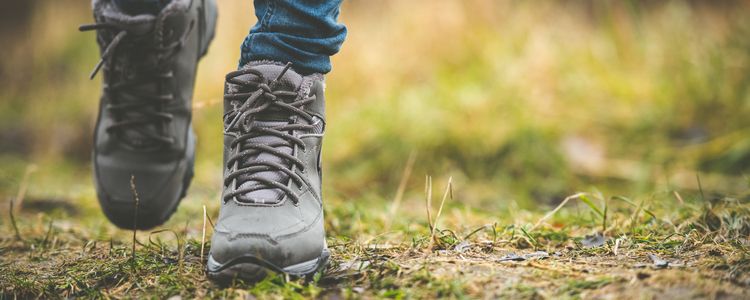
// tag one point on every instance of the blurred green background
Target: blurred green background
(522, 102)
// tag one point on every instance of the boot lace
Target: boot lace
(137, 65)
(261, 95)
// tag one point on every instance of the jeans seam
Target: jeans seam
(266, 22)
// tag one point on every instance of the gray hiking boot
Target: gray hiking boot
(271, 217)
(143, 129)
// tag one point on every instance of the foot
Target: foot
(148, 64)
(271, 217)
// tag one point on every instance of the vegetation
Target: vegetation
(523, 104)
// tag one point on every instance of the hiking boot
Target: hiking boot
(143, 130)
(271, 217)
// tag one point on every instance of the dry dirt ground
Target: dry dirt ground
(71, 266)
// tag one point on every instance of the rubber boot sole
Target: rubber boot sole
(147, 219)
(252, 269)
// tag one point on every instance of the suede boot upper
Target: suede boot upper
(148, 65)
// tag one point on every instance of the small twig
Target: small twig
(556, 209)
(135, 219)
(401, 188)
(428, 198)
(22, 189)
(432, 234)
(203, 239)
(210, 222)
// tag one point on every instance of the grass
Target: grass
(643, 106)
(706, 237)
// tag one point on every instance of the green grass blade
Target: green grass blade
(585, 199)
(626, 200)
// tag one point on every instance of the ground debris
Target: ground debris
(512, 256)
(593, 241)
(536, 255)
(354, 264)
(463, 246)
(658, 262)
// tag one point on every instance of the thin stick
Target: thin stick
(203, 239)
(428, 198)
(401, 188)
(447, 191)
(210, 222)
(135, 219)
(556, 209)
(22, 189)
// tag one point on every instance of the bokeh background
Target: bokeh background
(522, 103)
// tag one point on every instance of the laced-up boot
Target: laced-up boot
(271, 217)
(148, 64)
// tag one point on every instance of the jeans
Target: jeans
(303, 32)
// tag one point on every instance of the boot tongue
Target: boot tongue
(126, 61)
(290, 81)
(139, 28)
(134, 25)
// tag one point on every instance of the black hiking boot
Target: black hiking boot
(143, 130)
(271, 217)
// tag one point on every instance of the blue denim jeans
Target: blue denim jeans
(303, 32)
